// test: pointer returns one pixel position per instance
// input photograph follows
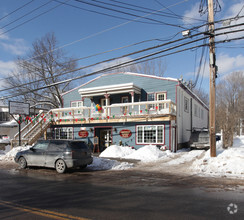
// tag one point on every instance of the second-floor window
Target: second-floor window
(76, 104)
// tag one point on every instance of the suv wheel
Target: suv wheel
(60, 166)
(22, 162)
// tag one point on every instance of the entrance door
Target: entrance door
(161, 96)
(105, 137)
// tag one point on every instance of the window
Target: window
(4, 116)
(186, 104)
(161, 96)
(202, 114)
(64, 133)
(150, 134)
(151, 97)
(195, 110)
(77, 104)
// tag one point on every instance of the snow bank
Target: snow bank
(148, 153)
(115, 151)
(9, 155)
(229, 162)
(145, 154)
(186, 157)
(107, 164)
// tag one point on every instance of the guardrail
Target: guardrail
(136, 109)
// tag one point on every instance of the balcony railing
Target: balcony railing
(115, 111)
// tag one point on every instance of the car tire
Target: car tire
(83, 166)
(60, 166)
(22, 162)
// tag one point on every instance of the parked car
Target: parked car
(58, 154)
(200, 139)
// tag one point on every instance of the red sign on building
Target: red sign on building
(125, 133)
(83, 133)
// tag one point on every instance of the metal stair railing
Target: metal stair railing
(35, 130)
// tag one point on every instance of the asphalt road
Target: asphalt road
(44, 194)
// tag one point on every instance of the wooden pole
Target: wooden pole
(212, 77)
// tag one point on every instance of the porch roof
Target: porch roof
(111, 89)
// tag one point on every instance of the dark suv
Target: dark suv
(58, 154)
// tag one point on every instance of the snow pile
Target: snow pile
(229, 162)
(5, 140)
(148, 153)
(186, 157)
(9, 155)
(106, 164)
(115, 151)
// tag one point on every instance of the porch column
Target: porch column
(106, 97)
(90, 110)
(82, 104)
(132, 99)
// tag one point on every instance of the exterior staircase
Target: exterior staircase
(33, 130)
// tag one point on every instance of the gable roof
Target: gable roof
(125, 73)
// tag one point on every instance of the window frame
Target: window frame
(68, 130)
(141, 129)
(186, 104)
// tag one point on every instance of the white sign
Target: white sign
(19, 108)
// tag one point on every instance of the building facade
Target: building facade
(130, 109)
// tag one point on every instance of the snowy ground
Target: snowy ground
(228, 163)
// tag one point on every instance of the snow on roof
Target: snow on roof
(12, 123)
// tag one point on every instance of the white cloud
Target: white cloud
(190, 16)
(232, 12)
(15, 46)
(227, 64)
(6, 67)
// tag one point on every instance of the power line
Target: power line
(115, 66)
(28, 13)
(103, 31)
(149, 9)
(123, 56)
(102, 13)
(126, 13)
(31, 19)
(133, 53)
(16, 10)
(145, 56)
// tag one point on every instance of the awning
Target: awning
(111, 89)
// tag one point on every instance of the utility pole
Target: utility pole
(212, 77)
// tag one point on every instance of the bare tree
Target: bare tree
(151, 67)
(203, 95)
(230, 105)
(44, 65)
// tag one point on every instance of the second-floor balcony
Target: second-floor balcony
(136, 111)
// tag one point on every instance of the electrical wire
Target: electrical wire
(17, 9)
(126, 55)
(126, 13)
(26, 14)
(140, 51)
(115, 66)
(25, 22)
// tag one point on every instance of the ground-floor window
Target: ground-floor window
(150, 134)
(63, 133)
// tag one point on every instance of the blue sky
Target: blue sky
(82, 33)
